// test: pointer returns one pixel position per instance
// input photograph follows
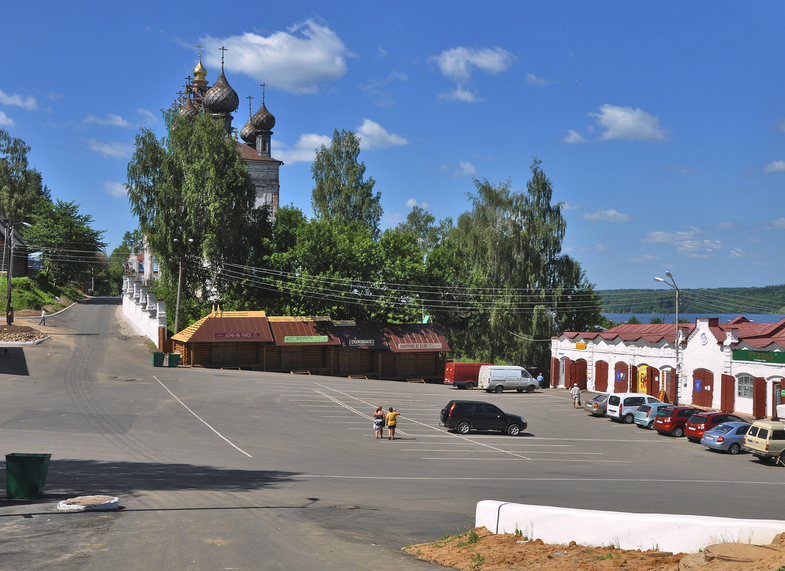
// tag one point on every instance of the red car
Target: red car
(700, 422)
(671, 419)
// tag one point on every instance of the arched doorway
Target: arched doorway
(702, 387)
(620, 378)
(648, 380)
(601, 376)
(578, 373)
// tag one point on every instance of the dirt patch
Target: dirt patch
(19, 333)
(481, 550)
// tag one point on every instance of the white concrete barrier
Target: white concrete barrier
(665, 532)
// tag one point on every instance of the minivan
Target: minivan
(766, 440)
(498, 378)
(622, 406)
(462, 375)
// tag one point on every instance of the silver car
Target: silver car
(728, 436)
(646, 413)
(597, 405)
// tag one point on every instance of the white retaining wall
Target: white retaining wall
(664, 532)
(141, 308)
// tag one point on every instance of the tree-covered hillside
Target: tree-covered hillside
(769, 299)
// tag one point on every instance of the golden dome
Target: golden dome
(199, 71)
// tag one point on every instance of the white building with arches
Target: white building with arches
(735, 366)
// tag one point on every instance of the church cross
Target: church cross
(262, 85)
(249, 98)
(223, 49)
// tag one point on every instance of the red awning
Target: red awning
(233, 329)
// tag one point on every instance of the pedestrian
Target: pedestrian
(43, 317)
(575, 391)
(392, 422)
(378, 422)
(539, 380)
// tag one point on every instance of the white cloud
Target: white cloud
(146, 116)
(411, 203)
(776, 166)
(778, 224)
(465, 168)
(6, 120)
(460, 94)
(110, 119)
(297, 60)
(689, 243)
(601, 247)
(736, 253)
(644, 259)
(628, 124)
(781, 125)
(374, 136)
(28, 103)
(607, 216)
(459, 63)
(110, 150)
(537, 81)
(303, 151)
(573, 137)
(115, 188)
(381, 52)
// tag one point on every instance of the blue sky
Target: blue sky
(661, 125)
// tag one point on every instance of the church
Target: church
(220, 100)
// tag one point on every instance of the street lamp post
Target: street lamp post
(9, 235)
(672, 284)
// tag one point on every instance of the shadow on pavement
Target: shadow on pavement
(13, 361)
(69, 478)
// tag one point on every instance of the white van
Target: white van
(498, 378)
(622, 406)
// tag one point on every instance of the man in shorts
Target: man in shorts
(575, 391)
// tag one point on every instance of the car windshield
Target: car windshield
(722, 428)
(614, 400)
(599, 398)
(664, 413)
(695, 419)
(644, 408)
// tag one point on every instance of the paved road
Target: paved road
(249, 470)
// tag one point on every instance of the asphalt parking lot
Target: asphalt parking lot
(224, 469)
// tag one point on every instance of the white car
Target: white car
(622, 406)
(498, 378)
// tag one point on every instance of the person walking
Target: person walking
(43, 316)
(392, 422)
(575, 391)
(378, 422)
(540, 380)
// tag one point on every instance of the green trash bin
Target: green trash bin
(174, 359)
(158, 359)
(25, 475)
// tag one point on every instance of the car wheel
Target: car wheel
(782, 458)
(530, 389)
(463, 428)
(734, 448)
(469, 386)
(519, 390)
(650, 425)
(513, 430)
(678, 432)
(629, 418)
(499, 388)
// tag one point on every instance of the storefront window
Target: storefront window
(744, 386)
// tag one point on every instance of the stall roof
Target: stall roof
(228, 327)
(415, 338)
(360, 335)
(302, 332)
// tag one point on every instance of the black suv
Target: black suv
(465, 415)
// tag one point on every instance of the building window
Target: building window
(744, 386)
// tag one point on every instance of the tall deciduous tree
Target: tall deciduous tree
(21, 189)
(341, 192)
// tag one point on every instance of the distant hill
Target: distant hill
(769, 299)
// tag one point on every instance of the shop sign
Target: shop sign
(306, 339)
(760, 356)
(360, 342)
(419, 346)
(236, 335)
(580, 345)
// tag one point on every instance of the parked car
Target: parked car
(622, 406)
(646, 413)
(766, 440)
(466, 415)
(462, 375)
(701, 421)
(728, 437)
(498, 378)
(597, 405)
(671, 419)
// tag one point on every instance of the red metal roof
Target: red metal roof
(232, 330)
(250, 154)
(415, 338)
(307, 331)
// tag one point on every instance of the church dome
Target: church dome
(248, 132)
(199, 71)
(263, 120)
(188, 110)
(221, 98)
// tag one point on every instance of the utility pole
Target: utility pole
(9, 310)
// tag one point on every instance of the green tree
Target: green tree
(70, 248)
(21, 187)
(194, 200)
(340, 191)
